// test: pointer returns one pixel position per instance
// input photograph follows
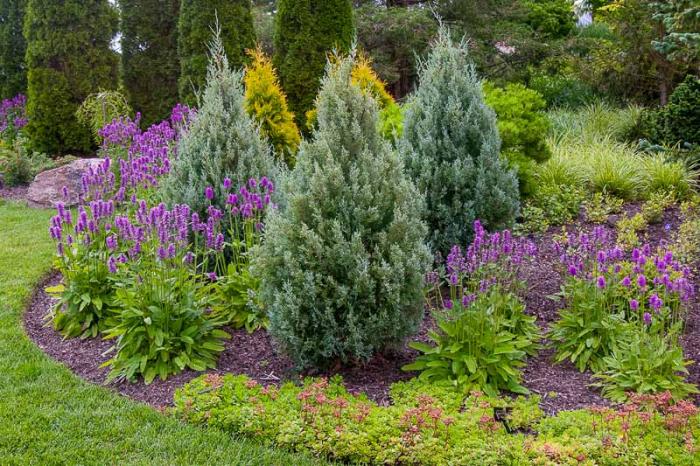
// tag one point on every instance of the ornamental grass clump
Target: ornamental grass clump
(624, 314)
(483, 331)
(222, 142)
(451, 146)
(343, 259)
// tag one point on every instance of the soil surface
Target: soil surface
(561, 386)
(15, 194)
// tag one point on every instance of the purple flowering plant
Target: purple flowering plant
(607, 288)
(13, 117)
(483, 332)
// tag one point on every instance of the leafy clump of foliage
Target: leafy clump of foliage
(600, 206)
(222, 142)
(304, 37)
(63, 68)
(150, 61)
(233, 22)
(342, 263)
(483, 333)
(678, 122)
(100, 109)
(432, 425)
(523, 128)
(551, 18)
(267, 104)
(452, 149)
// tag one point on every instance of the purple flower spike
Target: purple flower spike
(209, 193)
(227, 183)
(647, 318)
(642, 281)
(448, 304)
(626, 282)
(601, 282)
(634, 304)
(572, 270)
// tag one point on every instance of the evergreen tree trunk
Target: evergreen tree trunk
(198, 18)
(13, 73)
(150, 64)
(306, 31)
(68, 58)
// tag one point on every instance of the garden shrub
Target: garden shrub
(679, 121)
(551, 18)
(232, 20)
(523, 128)
(100, 109)
(451, 146)
(68, 58)
(306, 32)
(13, 72)
(600, 206)
(343, 260)
(560, 90)
(428, 425)
(150, 61)
(628, 229)
(266, 103)
(221, 142)
(483, 332)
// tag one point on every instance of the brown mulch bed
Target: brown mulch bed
(17, 193)
(561, 386)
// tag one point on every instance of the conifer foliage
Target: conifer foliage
(267, 104)
(197, 20)
(13, 73)
(150, 64)
(343, 259)
(451, 146)
(222, 142)
(306, 32)
(68, 58)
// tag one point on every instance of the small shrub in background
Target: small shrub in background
(267, 105)
(551, 18)
(101, 108)
(343, 259)
(483, 333)
(600, 206)
(628, 230)
(679, 121)
(653, 209)
(562, 91)
(523, 128)
(452, 149)
(222, 142)
(551, 205)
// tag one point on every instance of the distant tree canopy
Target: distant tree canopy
(13, 73)
(198, 18)
(68, 58)
(306, 31)
(150, 63)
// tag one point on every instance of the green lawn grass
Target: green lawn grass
(50, 416)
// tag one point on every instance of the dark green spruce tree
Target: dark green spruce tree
(198, 18)
(305, 32)
(150, 63)
(13, 73)
(68, 58)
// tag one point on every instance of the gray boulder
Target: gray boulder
(47, 188)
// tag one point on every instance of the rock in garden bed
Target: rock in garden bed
(47, 188)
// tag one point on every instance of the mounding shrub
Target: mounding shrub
(13, 72)
(342, 262)
(451, 146)
(68, 58)
(305, 33)
(150, 61)
(523, 127)
(222, 142)
(267, 104)
(197, 19)
(679, 120)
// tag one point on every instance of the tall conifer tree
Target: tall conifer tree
(13, 73)
(68, 58)
(306, 31)
(198, 18)
(150, 63)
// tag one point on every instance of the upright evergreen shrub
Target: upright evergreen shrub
(150, 63)
(68, 58)
(222, 142)
(451, 146)
(13, 73)
(305, 33)
(266, 103)
(343, 259)
(197, 20)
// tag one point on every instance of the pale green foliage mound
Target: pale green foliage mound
(223, 141)
(342, 262)
(451, 145)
